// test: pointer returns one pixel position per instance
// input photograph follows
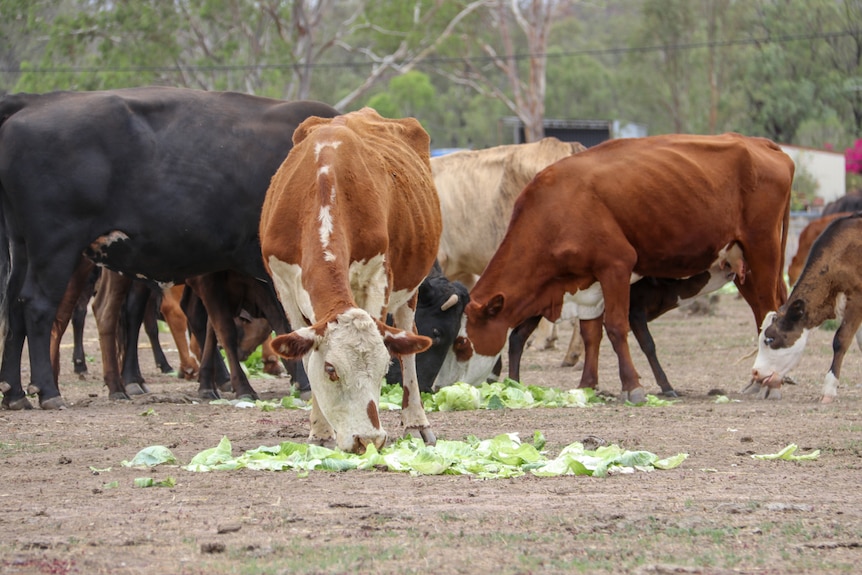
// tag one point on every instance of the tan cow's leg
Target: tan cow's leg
(178, 324)
(110, 295)
(576, 347)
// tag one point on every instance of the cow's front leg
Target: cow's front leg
(321, 432)
(616, 291)
(413, 416)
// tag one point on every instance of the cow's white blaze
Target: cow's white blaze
(773, 364)
(352, 345)
(325, 231)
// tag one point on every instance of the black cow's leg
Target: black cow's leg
(640, 329)
(517, 343)
(197, 322)
(40, 311)
(10, 370)
(79, 359)
(151, 328)
(210, 288)
(134, 309)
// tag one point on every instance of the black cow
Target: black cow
(439, 309)
(156, 183)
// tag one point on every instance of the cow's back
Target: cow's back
(677, 199)
(139, 159)
(379, 192)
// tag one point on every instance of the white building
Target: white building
(827, 169)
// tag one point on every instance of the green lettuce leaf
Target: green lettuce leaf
(788, 454)
(151, 456)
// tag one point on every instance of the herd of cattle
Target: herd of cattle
(233, 216)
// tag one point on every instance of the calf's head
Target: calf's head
(346, 358)
(782, 340)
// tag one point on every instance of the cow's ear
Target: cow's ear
(495, 305)
(400, 342)
(795, 311)
(296, 344)
(406, 343)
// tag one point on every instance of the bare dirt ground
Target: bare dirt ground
(719, 512)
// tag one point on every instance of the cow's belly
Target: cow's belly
(169, 257)
(589, 303)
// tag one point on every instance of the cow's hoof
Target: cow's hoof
(137, 388)
(208, 394)
(636, 395)
(119, 395)
(827, 399)
(752, 388)
(16, 404)
(767, 392)
(226, 386)
(52, 403)
(425, 433)
(669, 393)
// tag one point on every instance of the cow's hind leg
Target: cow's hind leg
(842, 341)
(14, 397)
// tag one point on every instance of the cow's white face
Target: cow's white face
(778, 351)
(346, 367)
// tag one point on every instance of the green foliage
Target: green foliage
(789, 70)
(804, 189)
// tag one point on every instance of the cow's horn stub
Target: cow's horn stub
(453, 299)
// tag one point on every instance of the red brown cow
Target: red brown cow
(664, 206)
(349, 229)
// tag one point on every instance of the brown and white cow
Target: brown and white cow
(830, 286)
(662, 206)
(349, 229)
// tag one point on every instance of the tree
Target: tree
(525, 77)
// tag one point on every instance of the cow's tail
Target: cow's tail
(782, 294)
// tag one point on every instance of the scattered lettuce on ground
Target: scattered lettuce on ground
(462, 396)
(788, 454)
(151, 456)
(500, 457)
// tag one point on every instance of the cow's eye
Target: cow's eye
(330, 371)
(768, 340)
